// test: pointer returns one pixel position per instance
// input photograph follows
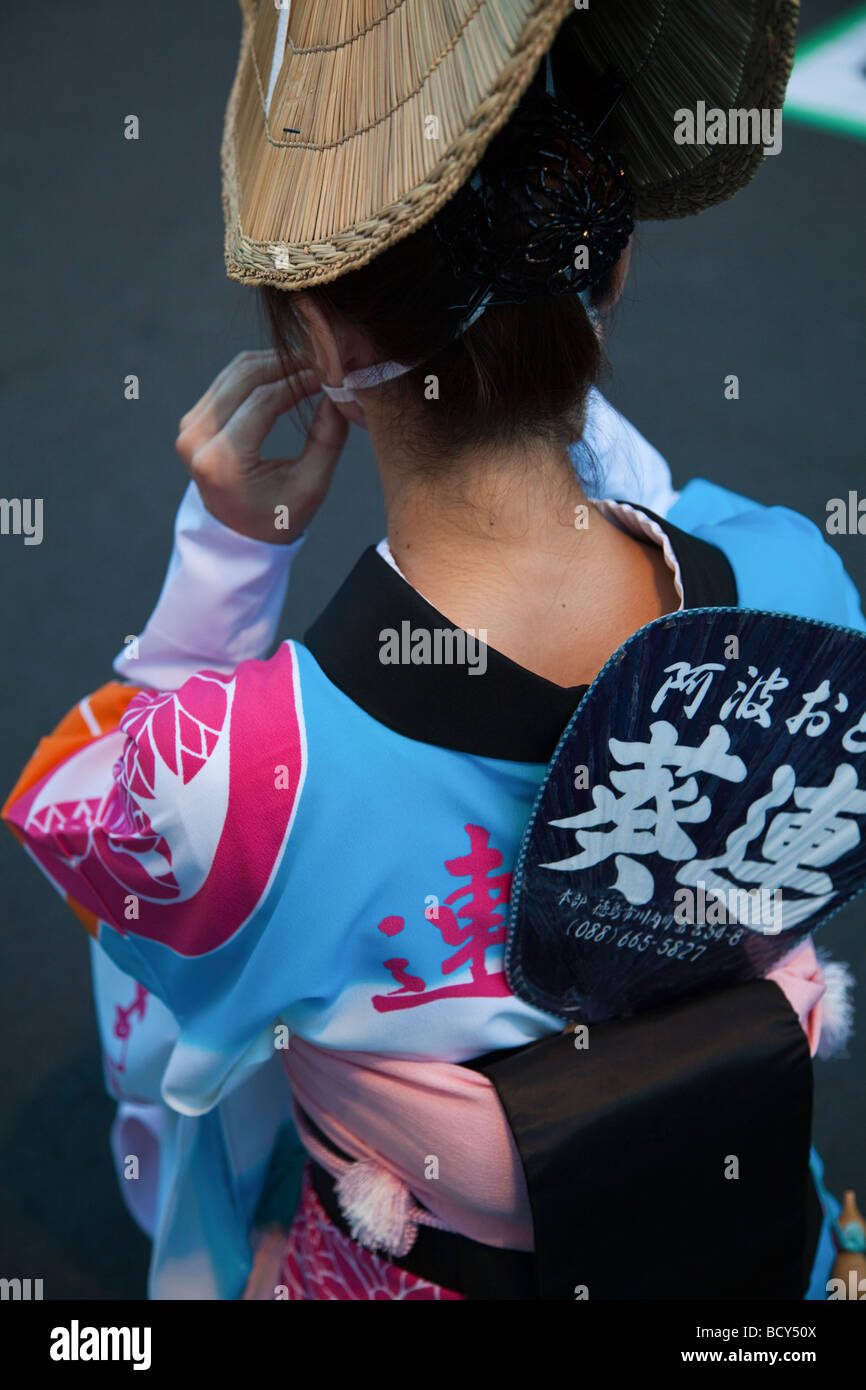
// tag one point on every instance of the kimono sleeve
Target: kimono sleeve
(161, 818)
(781, 560)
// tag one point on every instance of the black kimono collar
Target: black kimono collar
(506, 712)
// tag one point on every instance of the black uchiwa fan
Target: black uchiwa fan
(702, 813)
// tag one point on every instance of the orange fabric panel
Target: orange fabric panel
(105, 705)
(87, 919)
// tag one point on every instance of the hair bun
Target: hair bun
(544, 189)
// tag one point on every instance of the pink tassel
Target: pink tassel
(837, 1007)
(378, 1207)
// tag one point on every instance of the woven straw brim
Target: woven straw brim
(729, 54)
(395, 102)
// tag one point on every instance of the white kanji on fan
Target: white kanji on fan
(797, 845)
(648, 817)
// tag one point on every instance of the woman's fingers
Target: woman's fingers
(251, 423)
(232, 387)
(221, 444)
(321, 452)
(246, 364)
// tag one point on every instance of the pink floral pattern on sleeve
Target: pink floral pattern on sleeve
(184, 803)
(180, 727)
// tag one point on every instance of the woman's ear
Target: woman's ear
(618, 277)
(324, 348)
(329, 355)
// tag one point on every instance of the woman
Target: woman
(300, 866)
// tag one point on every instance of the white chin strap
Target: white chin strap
(380, 372)
(366, 377)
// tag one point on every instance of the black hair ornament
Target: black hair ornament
(547, 212)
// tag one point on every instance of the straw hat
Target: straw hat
(351, 122)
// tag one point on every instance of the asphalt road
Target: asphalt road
(113, 265)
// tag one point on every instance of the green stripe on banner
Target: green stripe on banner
(828, 84)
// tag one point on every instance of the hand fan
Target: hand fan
(702, 813)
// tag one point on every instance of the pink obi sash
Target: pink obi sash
(435, 1133)
(436, 1128)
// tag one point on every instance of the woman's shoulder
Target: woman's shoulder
(780, 559)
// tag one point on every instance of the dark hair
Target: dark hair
(520, 371)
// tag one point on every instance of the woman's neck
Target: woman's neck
(510, 546)
(486, 517)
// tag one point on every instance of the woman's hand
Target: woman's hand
(221, 438)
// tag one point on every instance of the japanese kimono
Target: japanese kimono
(296, 873)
